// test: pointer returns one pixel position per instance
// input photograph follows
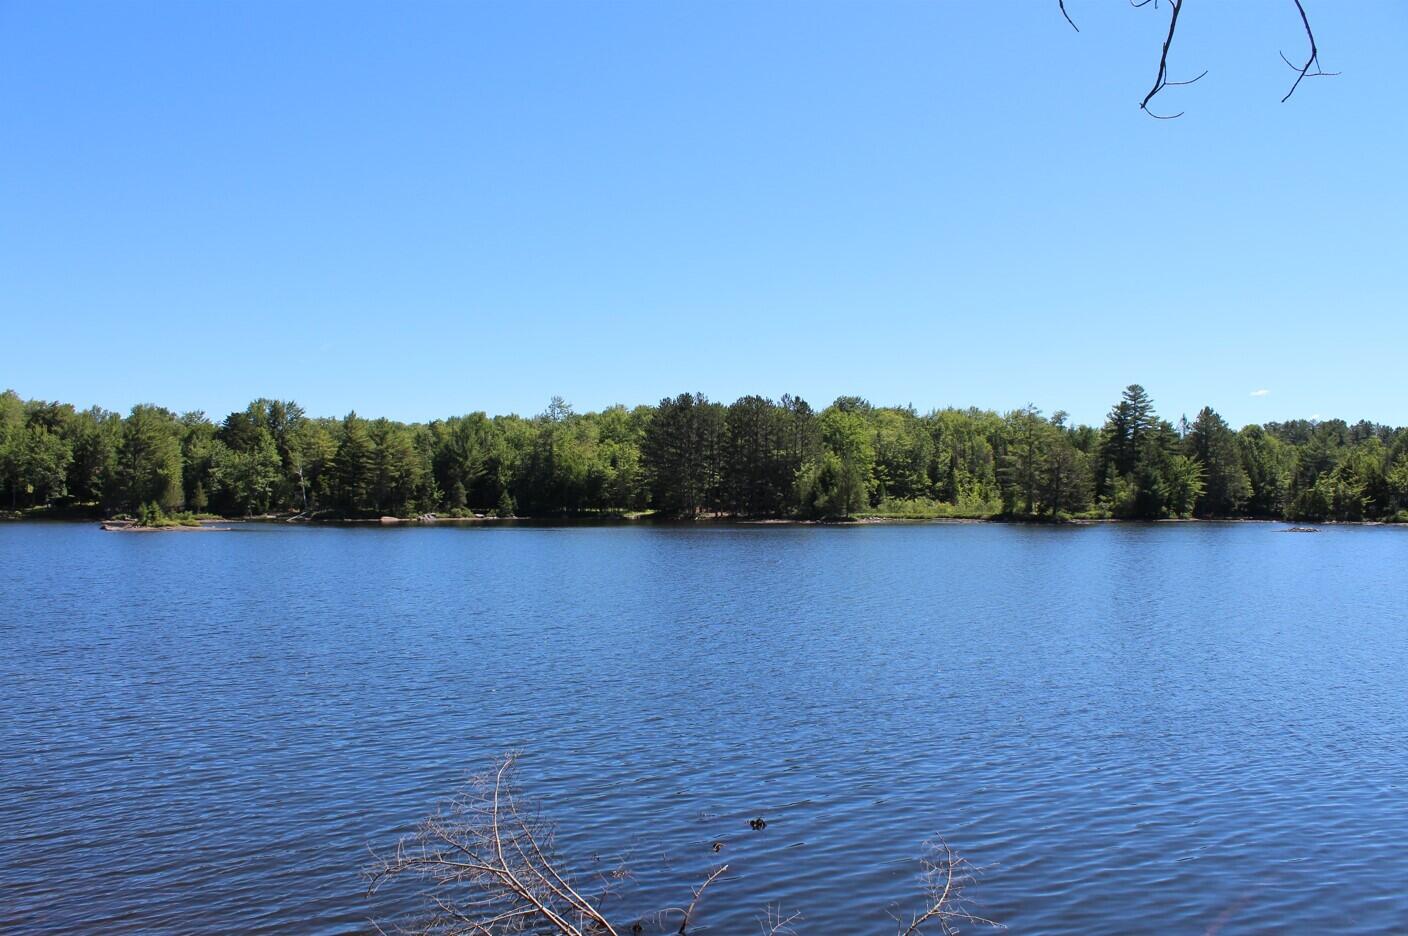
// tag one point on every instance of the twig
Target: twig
(1303, 71)
(689, 911)
(492, 870)
(947, 875)
(775, 924)
(1161, 80)
(1310, 68)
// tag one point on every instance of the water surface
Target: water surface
(1193, 728)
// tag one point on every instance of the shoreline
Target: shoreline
(212, 523)
(230, 524)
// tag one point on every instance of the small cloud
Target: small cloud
(1261, 392)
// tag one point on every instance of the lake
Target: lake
(1171, 728)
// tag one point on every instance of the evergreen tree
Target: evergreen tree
(1124, 435)
(354, 465)
(1214, 445)
(1026, 443)
(1269, 464)
(758, 476)
(682, 452)
(1066, 483)
(398, 469)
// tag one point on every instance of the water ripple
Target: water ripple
(1170, 728)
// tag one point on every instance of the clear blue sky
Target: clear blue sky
(421, 209)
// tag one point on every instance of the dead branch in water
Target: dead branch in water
(491, 868)
(946, 875)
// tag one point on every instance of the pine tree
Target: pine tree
(354, 465)
(1227, 486)
(1122, 440)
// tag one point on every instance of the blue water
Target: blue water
(1173, 728)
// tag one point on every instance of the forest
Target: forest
(689, 456)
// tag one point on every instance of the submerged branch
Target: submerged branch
(492, 869)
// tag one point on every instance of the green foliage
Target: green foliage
(759, 464)
(1269, 464)
(689, 456)
(963, 463)
(1067, 484)
(312, 449)
(1123, 441)
(1363, 470)
(1182, 484)
(1396, 479)
(245, 480)
(152, 515)
(683, 451)
(466, 453)
(839, 482)
(1027, 441)
(400, 479)
(354, 466)
(1141, 468)
(830, 486)
(903, 452)
(149, 464)
(1227, 485)
(44, 458)
(926, 508)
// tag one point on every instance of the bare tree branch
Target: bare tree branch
(1310, 68)
(945, 875)
(689, 911)
(775, 924)
(1303, 71)
(491, 868)
(1161, 81)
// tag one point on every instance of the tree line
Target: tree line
(691, 456)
